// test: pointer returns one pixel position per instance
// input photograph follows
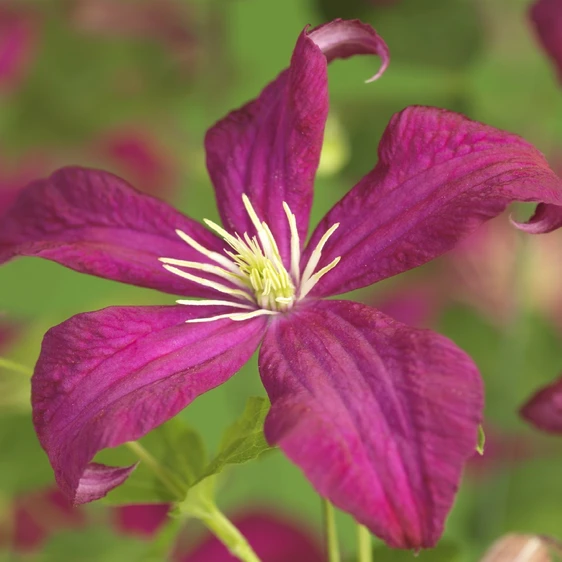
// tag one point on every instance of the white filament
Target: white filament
(255, 269)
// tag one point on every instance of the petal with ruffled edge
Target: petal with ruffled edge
(270, 148)
(440, 175)
(94, 222)
(107, 377)
(273, 540)
(544, 408)
(546, 16)
(381, 417)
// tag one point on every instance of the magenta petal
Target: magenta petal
(546, 16)
(94, 222)
(273, 540)
(107, 377)
(381, 417)
(439, 176)
(269, 149)
(544, 409)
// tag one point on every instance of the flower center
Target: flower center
(259, 280)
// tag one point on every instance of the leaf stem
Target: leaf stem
(332, 545)
(200, 505)
(13, 366)
(365, 544)
(229, 535)
(160, 472)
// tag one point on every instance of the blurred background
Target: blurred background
(131, 86)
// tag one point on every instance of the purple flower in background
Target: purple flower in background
(273, 540)
(140, 520)
(381, 417)
(544, 408)
(18, 36)
(546, 16)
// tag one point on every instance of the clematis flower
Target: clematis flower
(381, 417)
(273, 540)
(546, 16)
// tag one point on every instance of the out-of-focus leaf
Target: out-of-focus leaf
(91, 545)
(481, 440)
(178, 450)
(244, 440)
(23, 464)
(523, 548)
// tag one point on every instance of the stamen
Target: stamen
(236, 279)
(202, 250)
(254, 267)
(309, 284)
(315, 257)
(295, 243)
(236, 316)
(209, 302)
(206, 283)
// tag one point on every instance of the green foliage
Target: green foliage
(175, 458)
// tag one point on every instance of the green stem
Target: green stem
(13, 366)
(161, 472)
(229, 535)
(332, 544)
(365, 544)
(200, 505)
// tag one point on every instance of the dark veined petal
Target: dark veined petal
(273, 540)
(381, 417)
(94, 222)
(544, 408)
(270, 148)
(439, 176)
(546, 16)
(107, 377)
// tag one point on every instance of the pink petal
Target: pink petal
(140, 520)
(111, 376)
(544, 408)
(269, 149)
(439, 177)
(381, 417)
(546, 16)
(273, 540)
(94, 222)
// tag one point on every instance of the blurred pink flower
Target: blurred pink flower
(140, 520)
(138, 157)
(544, 408)
(273, 540)
(482, 272)
(546, 16)
(18, 39)
(16, 173)
(37, 515)
(167, 22)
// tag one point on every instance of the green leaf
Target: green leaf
(179, 455)
(244, 440)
